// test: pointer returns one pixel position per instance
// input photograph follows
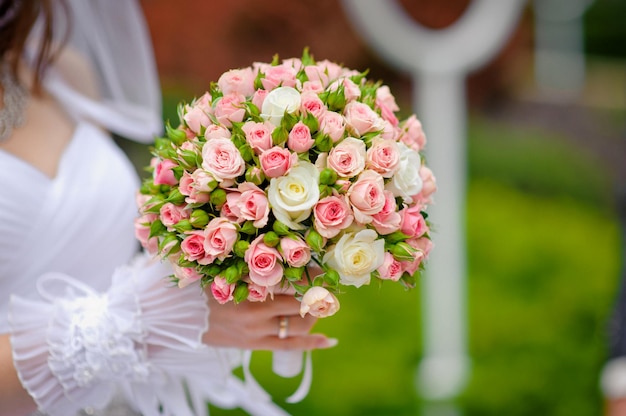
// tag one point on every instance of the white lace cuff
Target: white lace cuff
(73, 348)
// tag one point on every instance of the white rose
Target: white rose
(277, 102)
(407, 181)
(356, 256)
(292, 196)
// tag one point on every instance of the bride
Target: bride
(86, 322)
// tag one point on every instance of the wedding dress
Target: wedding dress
(91, 321)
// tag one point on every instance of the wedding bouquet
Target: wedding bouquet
(285, 165)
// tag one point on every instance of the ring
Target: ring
(283, 327)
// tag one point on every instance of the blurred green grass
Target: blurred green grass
(544, 256)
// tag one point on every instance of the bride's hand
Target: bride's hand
(255, 325)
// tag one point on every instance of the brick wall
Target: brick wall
(197, 40)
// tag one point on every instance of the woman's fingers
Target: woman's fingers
(273, 324)
(299, 343)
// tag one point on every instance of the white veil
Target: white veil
(112, 35)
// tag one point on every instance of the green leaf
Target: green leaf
(311, 122)
(395, 237)
(280, 135)
(175, 135)
(156, 228)
(307, 58)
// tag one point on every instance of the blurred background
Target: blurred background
(546, 166)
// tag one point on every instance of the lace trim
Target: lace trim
(96, 344)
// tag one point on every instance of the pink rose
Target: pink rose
(318, 302)
(264, 262)
(412, 133)
(342, 185)
(312, 86)
(295, 63)
(237, 81)
(295, 251)
(142, 233)
(361, 119)
(252, 204)
(387, 104)
(221, 290)
(351, 91)
(215, 131)
(196, 118)
(163, 173)
(203, 181)
(331, 215)
(334, 125)
(257, 293)
(391, 269)
(258, 135)
(324, 72)
(277, 161)
(300, 139)
(222, 159)
(171, 214)
(429, 186)
(141, 200)
(279, 75)
(383, 157)
(185, 186)
(229, 109)
(413, 223)
(390, 132)
(367, 196)
(423, 246)
(230, 209)
(193, 248)
(190, 146)
(388, 219)
(220, 235)
(259, 97)
(311, 102)
(186, 275)
(348, 157)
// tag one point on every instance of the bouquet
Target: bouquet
(282, 166)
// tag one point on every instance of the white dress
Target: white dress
(92, 321)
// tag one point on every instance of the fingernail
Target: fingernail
(329, 343)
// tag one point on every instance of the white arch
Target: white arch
(440, 60)
(464, 46)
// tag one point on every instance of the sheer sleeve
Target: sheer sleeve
(141, 336)
(113, 38)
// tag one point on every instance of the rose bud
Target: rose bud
(218, 197)
(318, 302)
(402, 251)
(328, 176)
(280, 228)
(240, 248)
(199, 218)
(315, 240)
(271, 239)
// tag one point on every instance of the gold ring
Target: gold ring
(283, 327)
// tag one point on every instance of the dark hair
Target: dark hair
(21, 16)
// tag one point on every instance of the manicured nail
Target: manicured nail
(329, 343)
